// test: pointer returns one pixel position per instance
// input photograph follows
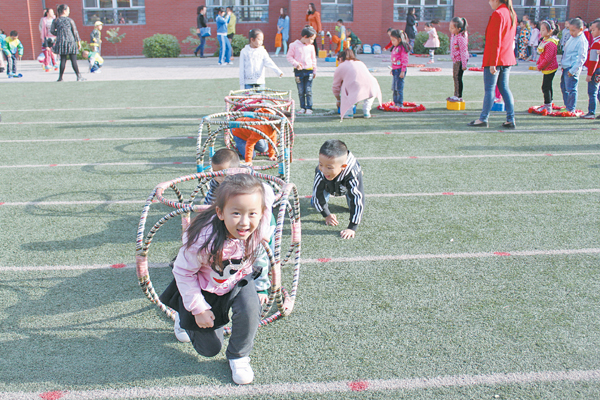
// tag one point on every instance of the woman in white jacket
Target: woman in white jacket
(253, 60)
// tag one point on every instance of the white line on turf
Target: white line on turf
(372, 195)
(265, 390)
(133, 139)
(404, 257)
(462, 156)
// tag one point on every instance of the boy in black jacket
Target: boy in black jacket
(338, 174)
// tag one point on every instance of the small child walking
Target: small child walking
(253, 60)
(574, 56)
(547, 61)
(400, 50)
(593, 70)
(214, 273)
(13, 49)
(339, 174)
(95, 37)
(459, 51)
(433, 42)
(303, 58)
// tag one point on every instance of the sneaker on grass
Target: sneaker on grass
(588, 116)
(241, 371)
(308, 111)
(180, 333)
(302, 111)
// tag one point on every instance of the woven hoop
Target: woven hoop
(432, 69)
(284, 268)
(407, 107)
(221, 123)
(557, 112)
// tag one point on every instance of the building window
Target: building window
(332, 10)
(244, 10)
(425, 10)
(539, 10)
(114, 12)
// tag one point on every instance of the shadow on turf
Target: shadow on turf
(83, 331)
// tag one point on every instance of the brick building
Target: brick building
(139, 19)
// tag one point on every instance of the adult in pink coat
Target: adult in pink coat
(352, 82)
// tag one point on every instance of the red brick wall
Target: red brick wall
(371, 20)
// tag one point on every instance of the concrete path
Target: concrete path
(140, 68)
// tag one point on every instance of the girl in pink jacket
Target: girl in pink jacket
(399, 64)
(214, 273)
(303, 58)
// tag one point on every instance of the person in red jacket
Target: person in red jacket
(593, 70)
(547, 62)
(498, 57)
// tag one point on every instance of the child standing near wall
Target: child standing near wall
(593, 70)
(547, 62)
(459, 50)
(303, 58)
(13, 50)
(574, 56)
(433, 42)
(534, 41)
(95, 37)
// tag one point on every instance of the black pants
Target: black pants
(547, 87)
(63, 64)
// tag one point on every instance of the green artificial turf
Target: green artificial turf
(84, 329)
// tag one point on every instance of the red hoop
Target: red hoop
(434, 69)
(540, 110)
(478, 69)
(407, 107)
(416, 65)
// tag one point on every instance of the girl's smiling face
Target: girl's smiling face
(544, 31)
(242, 214)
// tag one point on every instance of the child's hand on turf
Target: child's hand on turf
(205, 319)
(263, 298)
(347, 234)
(331, 219)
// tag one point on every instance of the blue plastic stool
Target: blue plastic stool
(498, 107)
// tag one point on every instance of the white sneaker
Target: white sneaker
(241, 371)
(309, 112)
(180, 333)
(302, 111)
(367, 115)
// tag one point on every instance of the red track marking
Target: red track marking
(501, 131)
(117, 266)
(548, 154)
(387, 133)
(501, 253)
(448, 193)
(111, 120)
(52, 395)
(358, 386)
(53, 165)
(413, 157)
(191, 137)
(300, 159)
(177, 162)
(324, 259)
(85, 139)
(308, 196)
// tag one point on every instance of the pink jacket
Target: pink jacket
(352, 82)
(399, 58)
(459, 48)
(193, 273)
(302, 56)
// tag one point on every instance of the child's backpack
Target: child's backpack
(376, 49)
(367, 49)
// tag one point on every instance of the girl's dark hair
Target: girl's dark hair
(401, 35)
(429, 24)
(389, 30)
(347, 55)
(220, 10)
(14, 33)
(61, 9)
(460, 24)
(282, 16)
(308, 31)
(313, 9)
(552, 27)
(334, 148)
(199, 9)
(254, 33)
(411, 11)
(577, 22)
(45, 12)
(233, 185)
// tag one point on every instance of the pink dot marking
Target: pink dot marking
(323, 259)
(501, 131)
(128, 108)
(301, 159)
(388, 133)
(413, 157)
(1, 203)
(191, 137)
(448, 193)
(307, 197)
(53, 165)
(117, 266)
(358, 386)
(85, 139)
(177, 162)
(52, 395)
(501, 253)
(548, 154)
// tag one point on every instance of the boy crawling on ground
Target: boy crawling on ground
(338, 174)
